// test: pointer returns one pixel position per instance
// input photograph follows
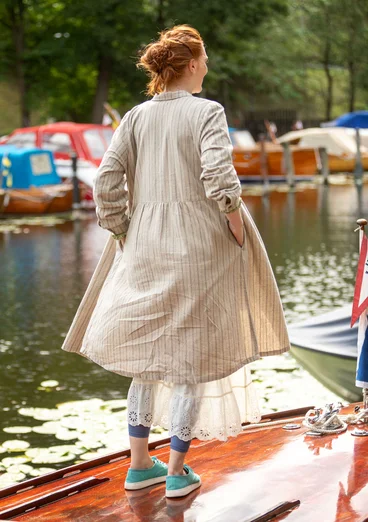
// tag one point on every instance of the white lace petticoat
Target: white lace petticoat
(212, 410)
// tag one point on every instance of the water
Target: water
(45, 269)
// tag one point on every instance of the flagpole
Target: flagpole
(362, 223)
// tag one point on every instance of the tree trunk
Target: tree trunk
(352, 67)
(102, 89)
(160, 14)
(329, 94)
(352, 85)
(16, 12)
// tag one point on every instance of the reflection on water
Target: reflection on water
(45, 272)
(310, 240)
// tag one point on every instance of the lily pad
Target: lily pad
(68, 448)
(15, 445)
(20, 468)
(44, 414)
(17, 429)
(115, 404)
(53, 458)
(47, 428)
(49, 384)
(6, 479)
(65, 434)
(79, 406)
(105, 451)
(49, 455)
(34, 452)
(90, 455)
(157, 429)
(73, 422)
(14, 461)
(88, 443)
(37, 472)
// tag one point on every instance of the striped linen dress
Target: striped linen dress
(178, 305)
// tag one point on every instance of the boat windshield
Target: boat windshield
(242, 138)
(23, 139)
(98, 141)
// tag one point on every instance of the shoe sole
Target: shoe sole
(133, 486)
(182, 492)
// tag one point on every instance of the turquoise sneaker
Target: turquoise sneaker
(181, 485)
(142, 478)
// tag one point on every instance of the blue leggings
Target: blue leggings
(142, 432)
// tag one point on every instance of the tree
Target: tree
(353, 37)
(12, 19)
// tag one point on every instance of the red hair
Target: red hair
(165, 59)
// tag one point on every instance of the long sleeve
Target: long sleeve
(219, 176)
(109, 189)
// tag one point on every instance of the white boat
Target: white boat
(339, 142)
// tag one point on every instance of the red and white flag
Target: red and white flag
(360, 302)
(360, 305)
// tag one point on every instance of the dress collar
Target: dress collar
(170, 95)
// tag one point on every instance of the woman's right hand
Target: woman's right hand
(236, 226)
(238, 233)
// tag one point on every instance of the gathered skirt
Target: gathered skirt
(212, 410)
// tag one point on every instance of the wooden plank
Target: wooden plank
(119, 455)
(66, 491)
(240, 479)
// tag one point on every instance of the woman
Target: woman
(187, 296)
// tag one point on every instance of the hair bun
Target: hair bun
(158, 57)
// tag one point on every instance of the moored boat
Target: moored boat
(47, 200)
(326, 346)
(3, 200)
(88, 141)
(30, 183)
(266, 470)
(340, 144)
(247, 158)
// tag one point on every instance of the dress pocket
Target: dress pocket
(234, 238)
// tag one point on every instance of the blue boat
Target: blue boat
(30, 183)
(24, 168)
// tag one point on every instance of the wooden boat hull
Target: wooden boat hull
(43, 200)
(3, 199)
(339, 164)
(263, 467)
(340, 145)
(247, 163)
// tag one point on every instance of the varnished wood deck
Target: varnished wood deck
(242, 478)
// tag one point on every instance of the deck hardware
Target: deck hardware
(325, 421)
(360, 433)
(291, 427)
(273, 512)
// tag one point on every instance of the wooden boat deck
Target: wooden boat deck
(245, 477)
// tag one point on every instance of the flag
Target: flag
(360, 305)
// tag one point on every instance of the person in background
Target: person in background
(297, 125)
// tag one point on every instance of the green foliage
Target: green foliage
(263, 53)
